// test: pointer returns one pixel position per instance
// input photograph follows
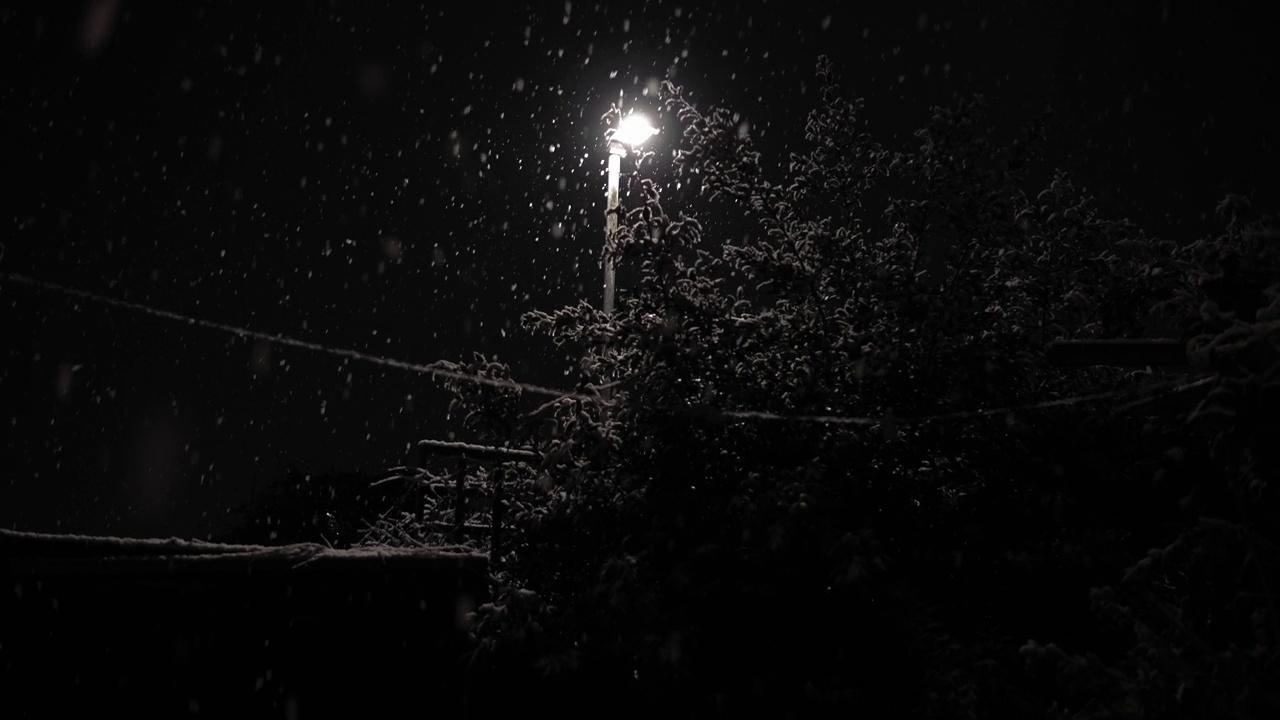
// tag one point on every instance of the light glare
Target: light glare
(634, 130)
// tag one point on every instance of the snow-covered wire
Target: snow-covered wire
(1177, 388)
(438, 373)
(557, 394)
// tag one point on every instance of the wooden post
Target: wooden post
(460, 498)
(495, 524)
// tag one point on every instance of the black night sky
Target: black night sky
(406, 180)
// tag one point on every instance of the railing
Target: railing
(446, 504)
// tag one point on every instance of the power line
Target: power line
(1175, 387)
(435, 372)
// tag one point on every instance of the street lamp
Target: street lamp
(630, 133)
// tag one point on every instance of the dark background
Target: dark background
(406, 181)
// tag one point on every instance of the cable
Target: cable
(564, 394)
(966, 414)
(305, 345)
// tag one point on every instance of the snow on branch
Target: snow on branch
(28, 553)
(442, 448)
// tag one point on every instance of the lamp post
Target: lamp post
(631, 132)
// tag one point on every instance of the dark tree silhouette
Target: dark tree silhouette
(803, 496)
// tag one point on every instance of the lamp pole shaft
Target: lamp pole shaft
(610, 227)
(611, 223)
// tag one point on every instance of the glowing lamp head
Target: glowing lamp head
(634, 130)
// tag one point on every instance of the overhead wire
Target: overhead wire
(1174, 387)
(433, 371)
(1146, 394)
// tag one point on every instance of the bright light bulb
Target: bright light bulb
(634, 130)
